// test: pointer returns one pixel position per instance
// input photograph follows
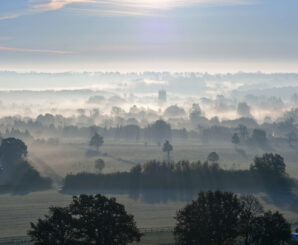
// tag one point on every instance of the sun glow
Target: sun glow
(157, 4)
(48, 5)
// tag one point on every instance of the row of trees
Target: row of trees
(268, 172)
(214, 218)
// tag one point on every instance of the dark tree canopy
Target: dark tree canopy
(270, 164)
(87, 220)
(209, 220)
(271, 228)
(16, 171)
(221, 218)
(251, 208)
(13, 149)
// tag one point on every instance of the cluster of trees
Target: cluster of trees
(86, 220)
(214, 218)
(266, 173)
(16, 173)
(258, 137)
(156, 131)
(223, 218)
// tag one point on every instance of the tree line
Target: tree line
(267, 172)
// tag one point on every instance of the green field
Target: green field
(70, 158)
(152, 238)
(17, 211)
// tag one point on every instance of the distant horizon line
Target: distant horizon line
(25, 71)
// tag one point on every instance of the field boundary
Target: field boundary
(27, 239)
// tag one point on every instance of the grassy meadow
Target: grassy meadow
(18, 210)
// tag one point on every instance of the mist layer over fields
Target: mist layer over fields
(31, 94)
(57, 114)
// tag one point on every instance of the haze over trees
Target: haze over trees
(213, 157)
(235, 139)
(158, 132)
(96, 141)
(167, 147)
(16, 172)
(265, 174)
(99, 164)
(243, 109)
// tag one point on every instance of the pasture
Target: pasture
(18, 210)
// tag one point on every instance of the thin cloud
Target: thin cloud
(8, 17)
(24, 50)
(131, 47)
(153, 4)
(109, 12)
(168, 4)
(43, 6)
(118, 7)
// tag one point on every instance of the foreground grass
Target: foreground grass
(157, 238)
(150, 238)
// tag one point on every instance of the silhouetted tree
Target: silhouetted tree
(271, 228)
(195, 113)
(167, 147)
(220, 218)
(269, 164)
(212, 219)
(259, 137)
(243, 131)
(87, 220)
(12, 150)
(251, 208)
(213, 157)
(292, 136)
(96, 141)
(174, 111)
(159, 131)
(16, 170)
(235, 139)
(99, 164)
(243, 109)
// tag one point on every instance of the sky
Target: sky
(143, 35)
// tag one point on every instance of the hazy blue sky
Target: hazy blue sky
(211, 35)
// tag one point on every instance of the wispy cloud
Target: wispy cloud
(25, 50)
(110, 12)
(167, 4)
(117, 7)
(8, 17)
(42, 5)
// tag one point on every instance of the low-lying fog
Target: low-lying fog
(108, 96)
(51, 112)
